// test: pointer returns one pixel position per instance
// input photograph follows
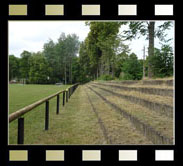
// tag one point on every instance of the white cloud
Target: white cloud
(31, 35)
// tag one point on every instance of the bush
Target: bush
(105, 77)
(126, 76)
(132, 68)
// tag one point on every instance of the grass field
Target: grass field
(23, 95)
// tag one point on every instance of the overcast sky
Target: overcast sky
(31, 35)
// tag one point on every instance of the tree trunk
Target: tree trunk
(71, 70)
(144, 64)
(108, 66)
(101, 68)
(97, 71)
(151, 46)
(113, 70)
(65, 74)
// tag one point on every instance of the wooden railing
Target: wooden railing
(18, 114)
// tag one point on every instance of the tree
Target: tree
(13, 67)
(72, 47)
(86, 70)
(147, 28)
(120, 59)
(59, 57)
(162, 61)
(132, 68)
(39, 70)
(102, 42)
(25, 64)
(53, 53)
(76, 70)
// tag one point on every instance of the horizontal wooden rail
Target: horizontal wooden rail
(19, 113)
(28, 108)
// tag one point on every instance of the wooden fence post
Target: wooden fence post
(58, 103)
(67, 95)
(69, 92)
(47, 116)
(63, 98)
(20, 130)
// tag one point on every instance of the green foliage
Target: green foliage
(39, 69)
(25, 64)
(76, 69)
(141, 28)
(102, 43)
(85, 64)
(52, 65)
(14, 67)
(126, 76)
(132, 68)
(120, 59)
(162, 62)
(147, 29)
(106, 77)
(59, 57)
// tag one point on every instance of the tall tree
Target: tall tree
(147, 28)
(25, 64)
(72, 47)
(39, 70)
(86, 70)
(59, 56)
(102, 40)
(14, 67)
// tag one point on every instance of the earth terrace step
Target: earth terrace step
(158, 82)
(153, 98)
(168, 82)
(101, 123)
(155, 136)
(163, 124)
(162, 109)
(127, 82)
(160, 123)
(147, 90)
(119, 129)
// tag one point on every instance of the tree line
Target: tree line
(102, 55)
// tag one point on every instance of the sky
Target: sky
(31, 35)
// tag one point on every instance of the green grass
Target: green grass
(75, 124)
(23, 95)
